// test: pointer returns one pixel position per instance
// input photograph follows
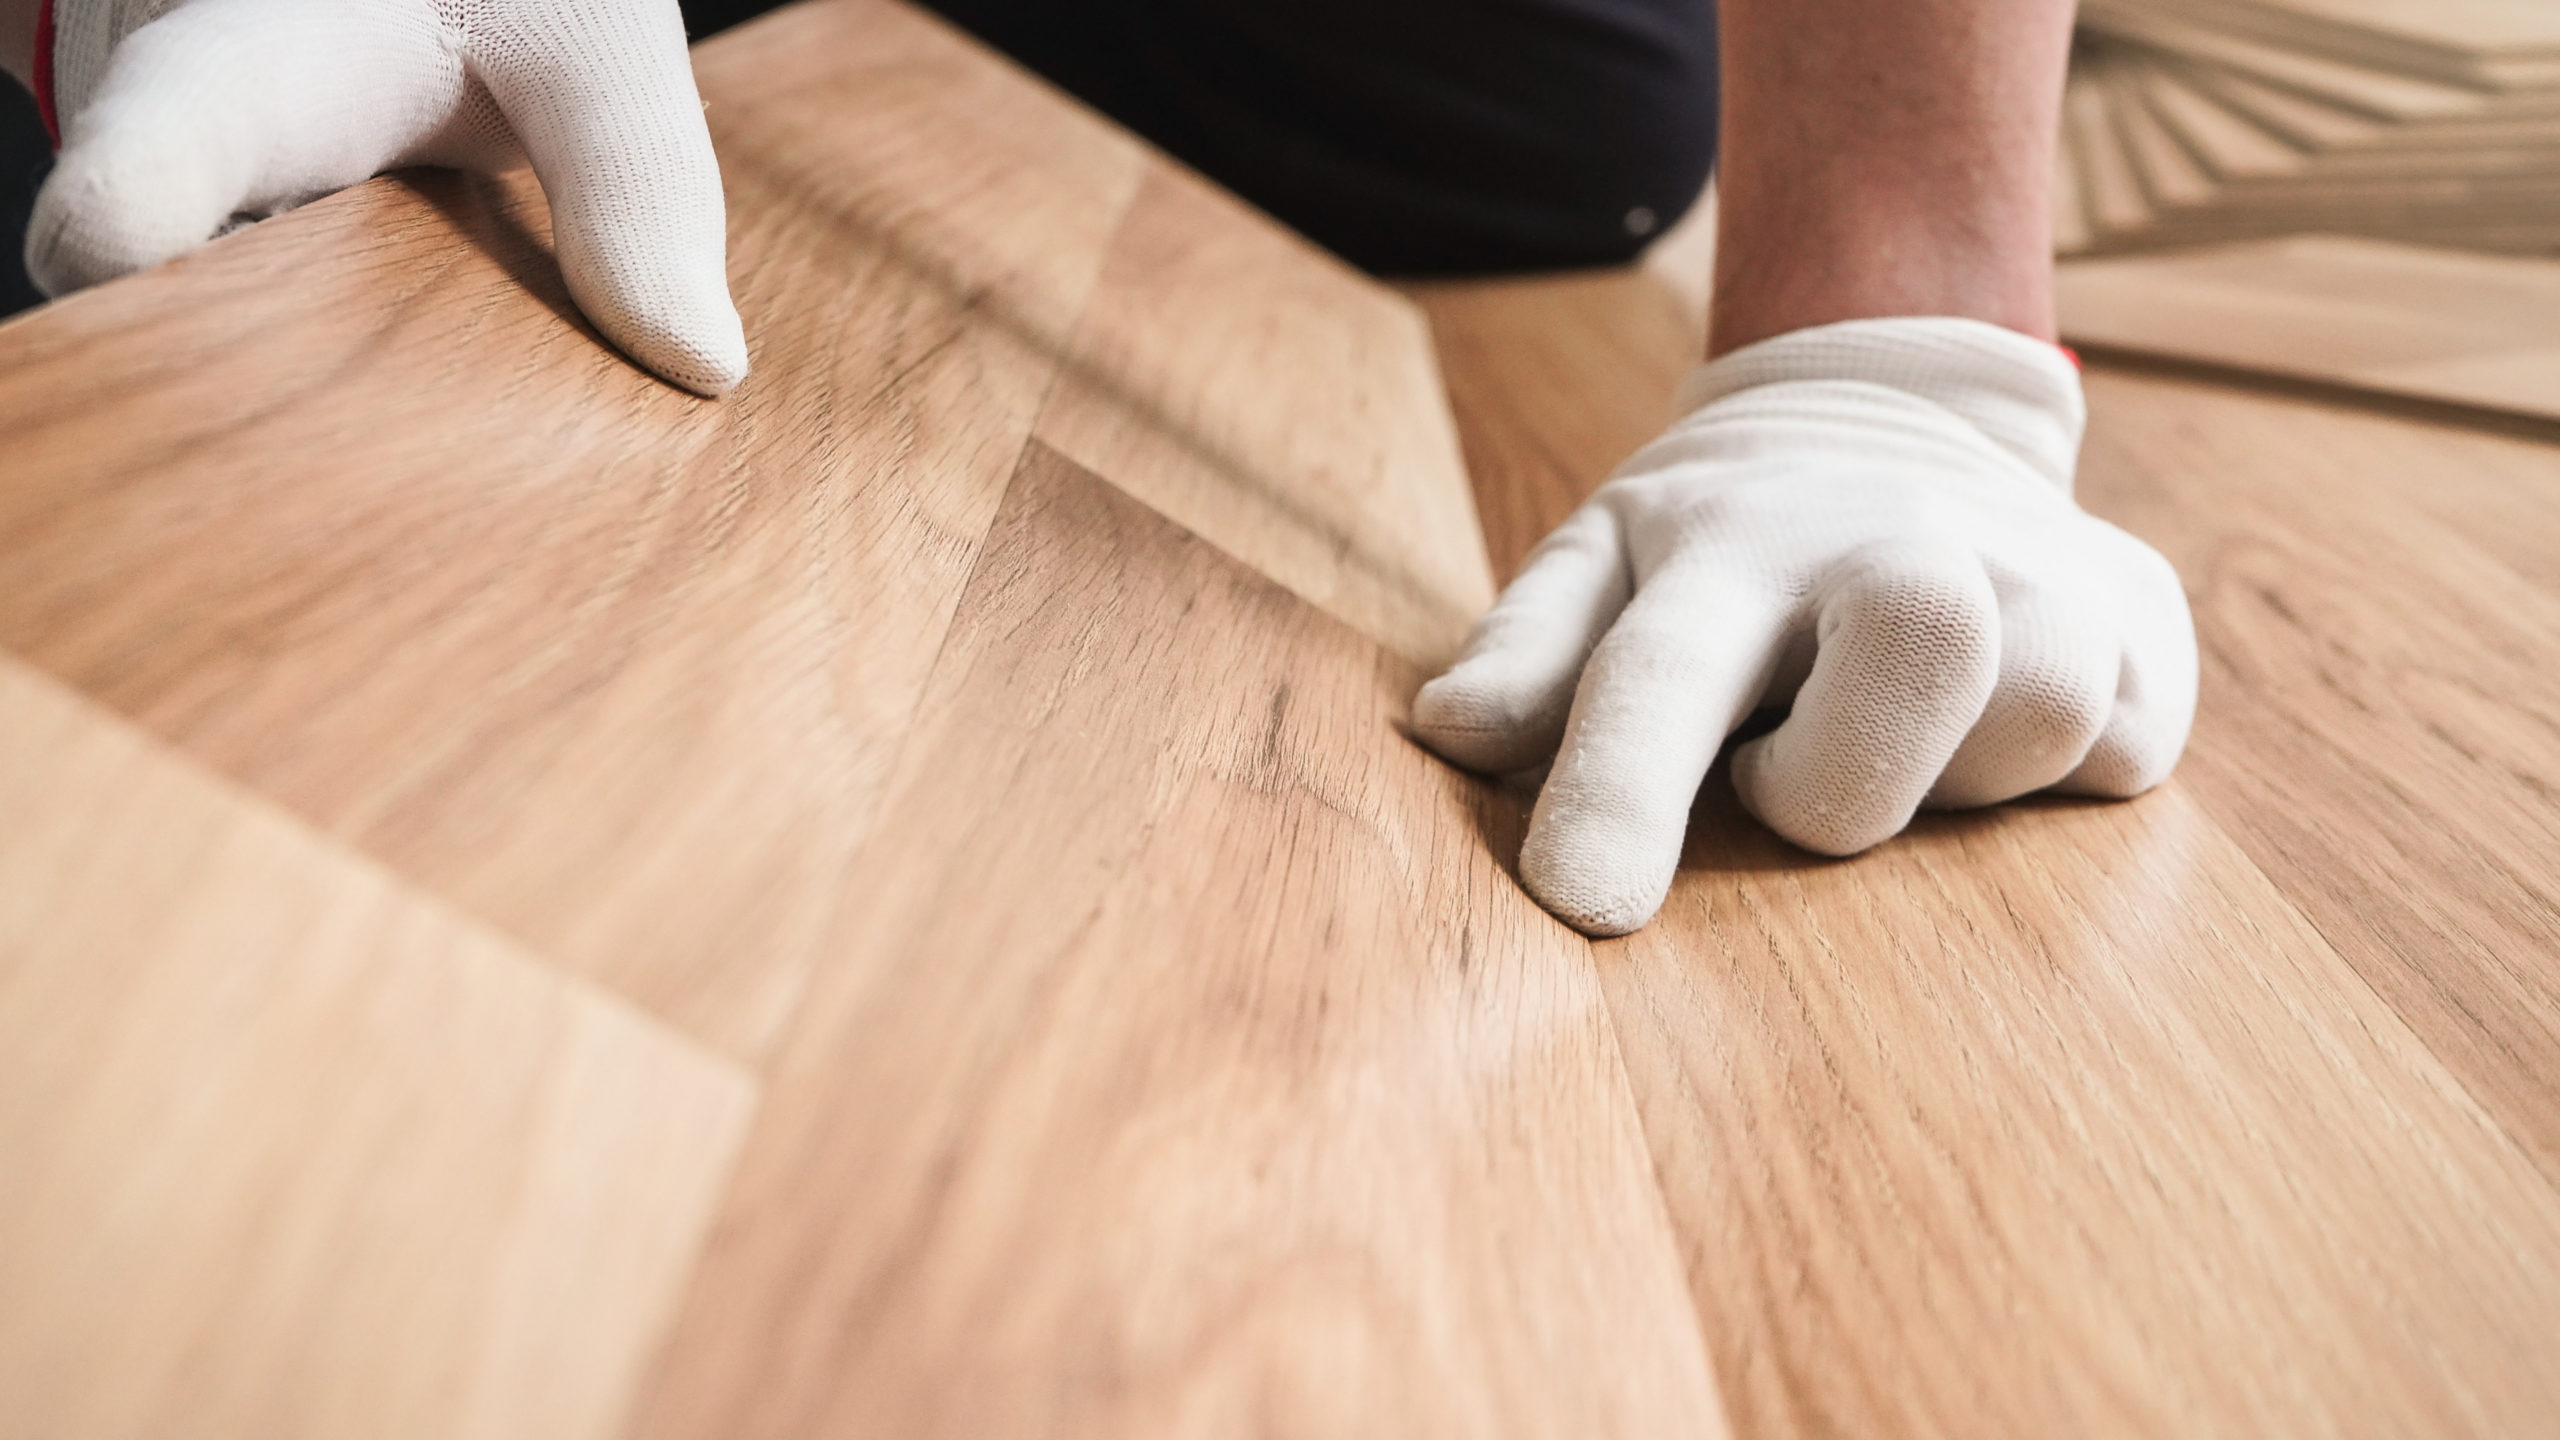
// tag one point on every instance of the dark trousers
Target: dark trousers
(26, 157)
(1412, 137)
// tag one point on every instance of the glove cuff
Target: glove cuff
(2021, 393)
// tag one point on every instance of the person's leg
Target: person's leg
(26, 156)
(1409, 136)
(1887, 157)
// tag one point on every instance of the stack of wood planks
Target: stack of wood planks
(2436, 121)
(2358, 194)
(898, 904)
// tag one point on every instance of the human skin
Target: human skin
(1886, 157)
(18, 40)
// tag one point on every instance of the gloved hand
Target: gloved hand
(1873, 518)
(180, 116)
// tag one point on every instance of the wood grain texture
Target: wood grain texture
(2230, 1111)
(1259, 393)
(2378, 94)
(2434, 124)
(2480, 331)
(2492, 44)
(289, 1151)
(362, 516)
(2376, 601)
(2171, 175)
(367, 519)
(2244, 129)
(2062, 1120)
(1554, 381)
(1190, 1068)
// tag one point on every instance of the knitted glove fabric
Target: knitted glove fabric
(1872, 519)
(182, 117)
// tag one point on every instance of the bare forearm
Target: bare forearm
(18, 40)
(1887, 157)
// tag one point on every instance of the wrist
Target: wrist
(1823, 269)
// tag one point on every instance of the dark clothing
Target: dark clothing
(26, 157)
(1416, 137)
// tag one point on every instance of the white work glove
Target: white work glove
(1873, 518)
(181, 117)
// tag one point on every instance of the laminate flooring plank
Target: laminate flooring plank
(350, 506)
(2231, 145)
(2170, 174)
(2108, 179)
(2494, 43)
(1186, 1064)
(2375, 600)
(2375, 94)
(2291, 116)
(1281, 406)
(2061, 1120)
(289, 1150)
(1554, 381)
(2432, 324)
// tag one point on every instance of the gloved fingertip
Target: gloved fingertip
(1468, 717)
(1587, 875)
(699, 347)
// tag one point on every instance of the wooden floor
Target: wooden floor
(899, 904)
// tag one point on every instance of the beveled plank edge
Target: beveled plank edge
(1422, 608)
(743, 1087)
(1404, 675)
(2375, 395)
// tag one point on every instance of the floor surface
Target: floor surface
(900, 903)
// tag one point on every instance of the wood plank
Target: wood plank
(2296, 118)
(2376, 599)
(1554, 380)
(2061, 1120)
(2376, 94)
(2171, 176)
(2232, 145)
(292, 1151)
(2471, 330)
(360, 514)
(1264, 1103)
(2107, 179)
(1280, 406)
(2492, 43)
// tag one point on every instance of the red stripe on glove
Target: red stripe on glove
(44, 72)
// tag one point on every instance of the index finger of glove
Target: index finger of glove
(601, 96)
(1503, 705)
(1681, 668)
